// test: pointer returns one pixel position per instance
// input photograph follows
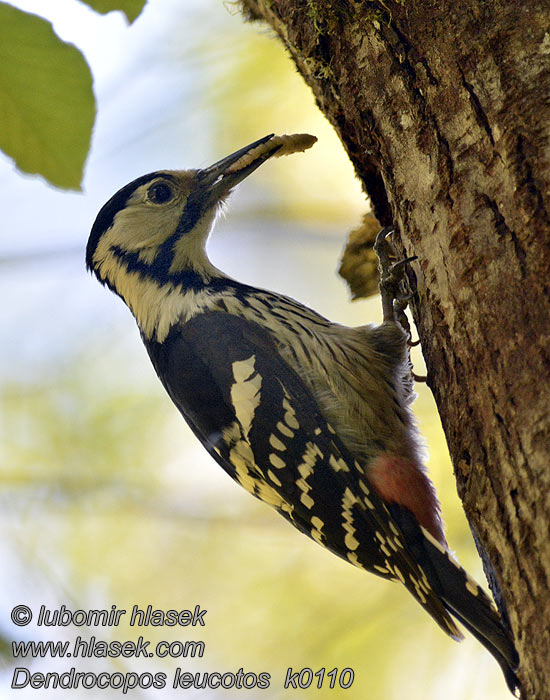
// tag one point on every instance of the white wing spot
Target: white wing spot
(381, 569)
(251, 479)
(348, 501)
(245, 392)
(425, 582)
(243, 369)
(243, 450)
(309, 459)
(284, 430)
(305, 469)
(421, 597)
(472, 587)
(290, 415)
(318, 525)
(399, 574)
(290, 420)
(435, 542)
(317, 536)
(276, 443)
(365, 489)
(418, 589)
(338, 464)
(273, 478)
(276, 461)
(352, 556)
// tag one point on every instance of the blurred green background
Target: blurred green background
(107, 498)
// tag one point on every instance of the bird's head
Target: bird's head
(148, 241)
(157, 225)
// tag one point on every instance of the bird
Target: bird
(309, 416)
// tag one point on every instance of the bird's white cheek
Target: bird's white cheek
(138, 228)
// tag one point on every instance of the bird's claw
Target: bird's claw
(392, 273)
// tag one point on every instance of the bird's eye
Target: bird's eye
(160, 193)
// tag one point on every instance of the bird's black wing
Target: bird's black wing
(258, 419)
(260, 422)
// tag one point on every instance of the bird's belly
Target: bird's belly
(356, 395)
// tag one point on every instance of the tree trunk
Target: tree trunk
(443, 109)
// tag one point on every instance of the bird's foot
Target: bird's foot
(392, 274)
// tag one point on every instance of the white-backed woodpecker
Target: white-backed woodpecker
(307, 415)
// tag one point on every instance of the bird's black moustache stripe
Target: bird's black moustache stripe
(195, 208)
(159, 270)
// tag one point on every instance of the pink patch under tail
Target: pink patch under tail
(403, 481)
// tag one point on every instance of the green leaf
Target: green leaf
(47, 105)
(131, 8)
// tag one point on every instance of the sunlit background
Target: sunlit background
(107, 498)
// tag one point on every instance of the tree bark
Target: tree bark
(444, 110)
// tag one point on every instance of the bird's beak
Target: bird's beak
(221, 177)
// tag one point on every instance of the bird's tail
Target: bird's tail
(466, 600)
(462, 596)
